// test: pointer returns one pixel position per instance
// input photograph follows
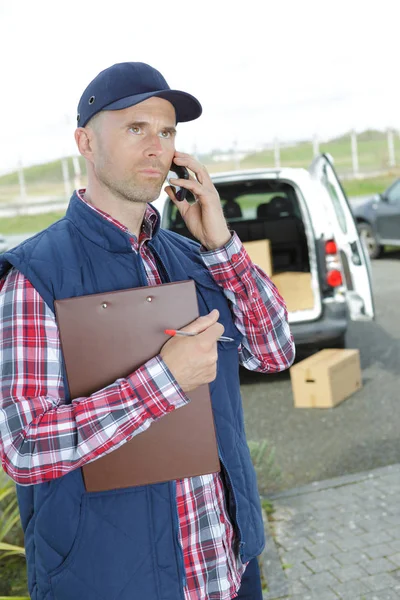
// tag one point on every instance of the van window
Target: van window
(244, 206)
(250, 200)
(260, 210)
(337, 205)
(393, 194)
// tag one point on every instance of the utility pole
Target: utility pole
(277, 153)
(67, 183)
(236, 160)
(21, 179)
(390, 140)
(77, 172)
(354, 153)
(315, 145)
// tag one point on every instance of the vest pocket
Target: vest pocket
(112, 556)
(75, 546)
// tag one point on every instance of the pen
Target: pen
(173, 332)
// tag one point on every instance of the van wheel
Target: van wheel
(375, 250)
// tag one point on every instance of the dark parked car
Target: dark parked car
(378, 220)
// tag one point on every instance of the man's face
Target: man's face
(133, 148)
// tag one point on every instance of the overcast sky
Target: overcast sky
(263, 69)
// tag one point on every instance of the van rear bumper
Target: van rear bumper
(329, 327)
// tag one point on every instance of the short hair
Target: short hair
(93, 123)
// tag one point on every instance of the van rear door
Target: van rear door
(355, 260)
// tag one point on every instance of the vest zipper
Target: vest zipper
(175, 516)
(229, 482)
(140, 267)
(165, 278)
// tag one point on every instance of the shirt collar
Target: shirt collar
(149, 224)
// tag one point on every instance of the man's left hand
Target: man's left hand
(205, 218)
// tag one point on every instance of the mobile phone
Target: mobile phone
(181, 173)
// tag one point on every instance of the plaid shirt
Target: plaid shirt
(42, 437)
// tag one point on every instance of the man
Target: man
(193, 538)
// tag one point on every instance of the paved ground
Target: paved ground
(360, 434)
(339, 538)
(336, 539)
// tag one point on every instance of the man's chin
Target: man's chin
(145, 193)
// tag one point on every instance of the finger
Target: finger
(202, 323)
(182, 205)
(194, 165)
(212, 333)
(170, 190)
(191, 178)
(192, 185)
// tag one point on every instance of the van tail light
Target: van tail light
(331, 247)
(334, 277)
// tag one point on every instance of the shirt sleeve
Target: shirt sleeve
(41, 436)
(259, 310)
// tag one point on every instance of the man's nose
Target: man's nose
(154, 145)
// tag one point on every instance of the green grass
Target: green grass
(48, 172)
(46, 179)
(33, 223)
(373, 154)
(28, 223)
(54, 190)
(268, 507)
(373, 185)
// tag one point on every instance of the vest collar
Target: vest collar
(99, 230)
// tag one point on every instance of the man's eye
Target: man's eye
(166, 134)
(134, 129)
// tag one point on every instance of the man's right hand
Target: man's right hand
(193, 360)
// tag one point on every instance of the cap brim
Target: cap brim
(187, 107)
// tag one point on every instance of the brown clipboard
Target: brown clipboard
(107, 336)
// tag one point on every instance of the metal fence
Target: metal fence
(47, 187)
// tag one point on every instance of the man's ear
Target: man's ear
(84, 140)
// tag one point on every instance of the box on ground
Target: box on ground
(296, 290)
(260, 253)
(326, 378)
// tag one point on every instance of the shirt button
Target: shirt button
(235, 258)
(254, 295)
(170, 408)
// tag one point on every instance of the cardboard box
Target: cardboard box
(296, 289)
(326, 378)
(260, 253)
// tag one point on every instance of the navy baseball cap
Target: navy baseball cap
(127, 84)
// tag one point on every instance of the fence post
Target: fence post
(277, 153)
(236, 161)
(77, 172)
(354, 153)
(21, 179)
(67, 183)
(315, 145)
(390, 140)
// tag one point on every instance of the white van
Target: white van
(318, 260)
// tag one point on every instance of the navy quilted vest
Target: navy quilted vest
(123, 545)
